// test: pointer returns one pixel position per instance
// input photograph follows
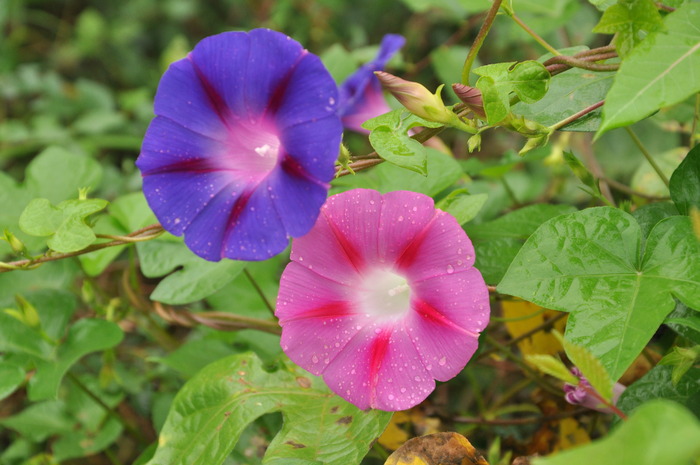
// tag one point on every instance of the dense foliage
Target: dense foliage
(561, 135)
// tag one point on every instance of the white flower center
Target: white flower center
(385, 294)
(253, 150)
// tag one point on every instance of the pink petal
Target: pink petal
(442, 248)
(461, 299)
(404, 216)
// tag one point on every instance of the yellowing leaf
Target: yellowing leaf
(542, 342)
(571, 434)
(437, 449)
(393, 436)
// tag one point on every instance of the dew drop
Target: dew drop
(450, 269)
(331, 101)
(417, 378)
(314, 359)
(391, 396)
(442, 361)
(403, 390)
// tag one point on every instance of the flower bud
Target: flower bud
(17, 245)
(580, 394)
(471, 96)
(416, 98)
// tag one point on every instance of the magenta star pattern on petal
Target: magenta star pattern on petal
(361, 94)
(242, 149)
(381, 298)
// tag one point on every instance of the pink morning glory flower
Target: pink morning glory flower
(242, 149)
(361, 95)
(581, 394)
(381, 298)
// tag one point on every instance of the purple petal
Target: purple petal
(245, 141)
(309, 94)
(361, 95)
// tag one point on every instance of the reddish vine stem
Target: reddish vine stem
(577, 115)
(608, 404)
(479, 40)
(217, 320)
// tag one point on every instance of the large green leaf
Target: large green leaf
(685, 182)
(568, 93)
(656, 384)
(211, 411)
(195, 279)
(589, 263)
(85, 336)
(661, 71)
(658, 432)
(497, 242)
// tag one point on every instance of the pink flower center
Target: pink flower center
(254, 149)
(384, 294)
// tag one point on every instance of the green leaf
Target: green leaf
(11, 377)
(39, 421)
(211, 411)
(659, 73)
(682, 359)
(649, 215)
(590, 367)
(656, 384)
(685, 182)
(443, 171)
(462, 206)
(568, 93)
(631, 21)
(397, 148)
(589, 263)
(497, 242)
(127, 214)
(496, 103)
(57, 174)
(85, 336)
(529, 80)
(552, 366)
(659, 431)
(189, 358)
(685, 321)
(602, 5)
(196, 279)
(65, 223)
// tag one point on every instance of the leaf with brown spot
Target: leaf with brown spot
(295, 445)
(437, 449)
(344, 420)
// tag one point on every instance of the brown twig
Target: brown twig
(217, 320)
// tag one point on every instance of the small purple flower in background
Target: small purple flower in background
(581, 394)
(381, 298)
(361, 95)
(243, 146)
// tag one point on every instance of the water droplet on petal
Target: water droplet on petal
(450, 269)
(442, 361)
(314, 359)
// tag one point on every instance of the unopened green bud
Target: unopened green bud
(416, 98)
(17, 245)
(474, 143)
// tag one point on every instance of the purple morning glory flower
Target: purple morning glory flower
(242, 149)
(361, 96)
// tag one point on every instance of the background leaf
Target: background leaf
(195, 277)
(685, 182)
(11, 376)
(497, 242)
(588, 263)
(85, 336)
(657, 74)
(656, 384)
(659, 431)
(213, 408)
(437, 449)
(630, 21)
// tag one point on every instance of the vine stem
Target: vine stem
(535, 36)
(575, 62)
(647, 155)
(143, 234)
(576, 116)
(519, 421)
(130, 428)
(479, 40)
(259, 290)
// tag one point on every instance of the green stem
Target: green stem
(647, 155)
(133, 431)
(259, 290)
(479, 41)
(509, 191)
(694, 128)
(535, 36)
